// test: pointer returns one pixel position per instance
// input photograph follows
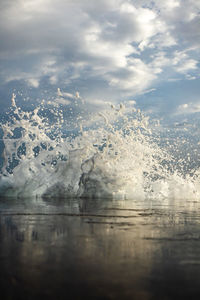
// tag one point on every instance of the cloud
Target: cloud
(137, 76)
(183, 63)
(189, 64)
(119, 46)
(183, 19)
(188, 108)
(33, 82)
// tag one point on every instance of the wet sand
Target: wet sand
(99, 249)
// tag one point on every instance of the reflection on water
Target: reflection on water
(99, 249)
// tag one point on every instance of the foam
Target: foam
(113, 155)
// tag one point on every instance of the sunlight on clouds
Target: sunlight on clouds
(34, 5)
(159, 61)
(125, 46)
(33, 82)
(137, 76)
(189, 64)
(188, 108)
(182, 63)
(170, 4)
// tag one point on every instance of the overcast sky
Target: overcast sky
(107, 50)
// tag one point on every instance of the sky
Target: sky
(106, 50)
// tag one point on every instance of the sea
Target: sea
(98, 205)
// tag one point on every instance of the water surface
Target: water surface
(99, 249)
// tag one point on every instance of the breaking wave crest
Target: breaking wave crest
(115, 154)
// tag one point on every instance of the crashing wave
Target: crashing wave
(115, 156)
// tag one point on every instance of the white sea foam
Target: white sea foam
(114, 154)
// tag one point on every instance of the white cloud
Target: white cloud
(183, 63)
(189, 64)
(160, 60)
(188, 108)
(75, 43)
(137, 76)
(33, 82)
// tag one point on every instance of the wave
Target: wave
(112, 154)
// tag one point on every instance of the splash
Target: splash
(116, 154)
